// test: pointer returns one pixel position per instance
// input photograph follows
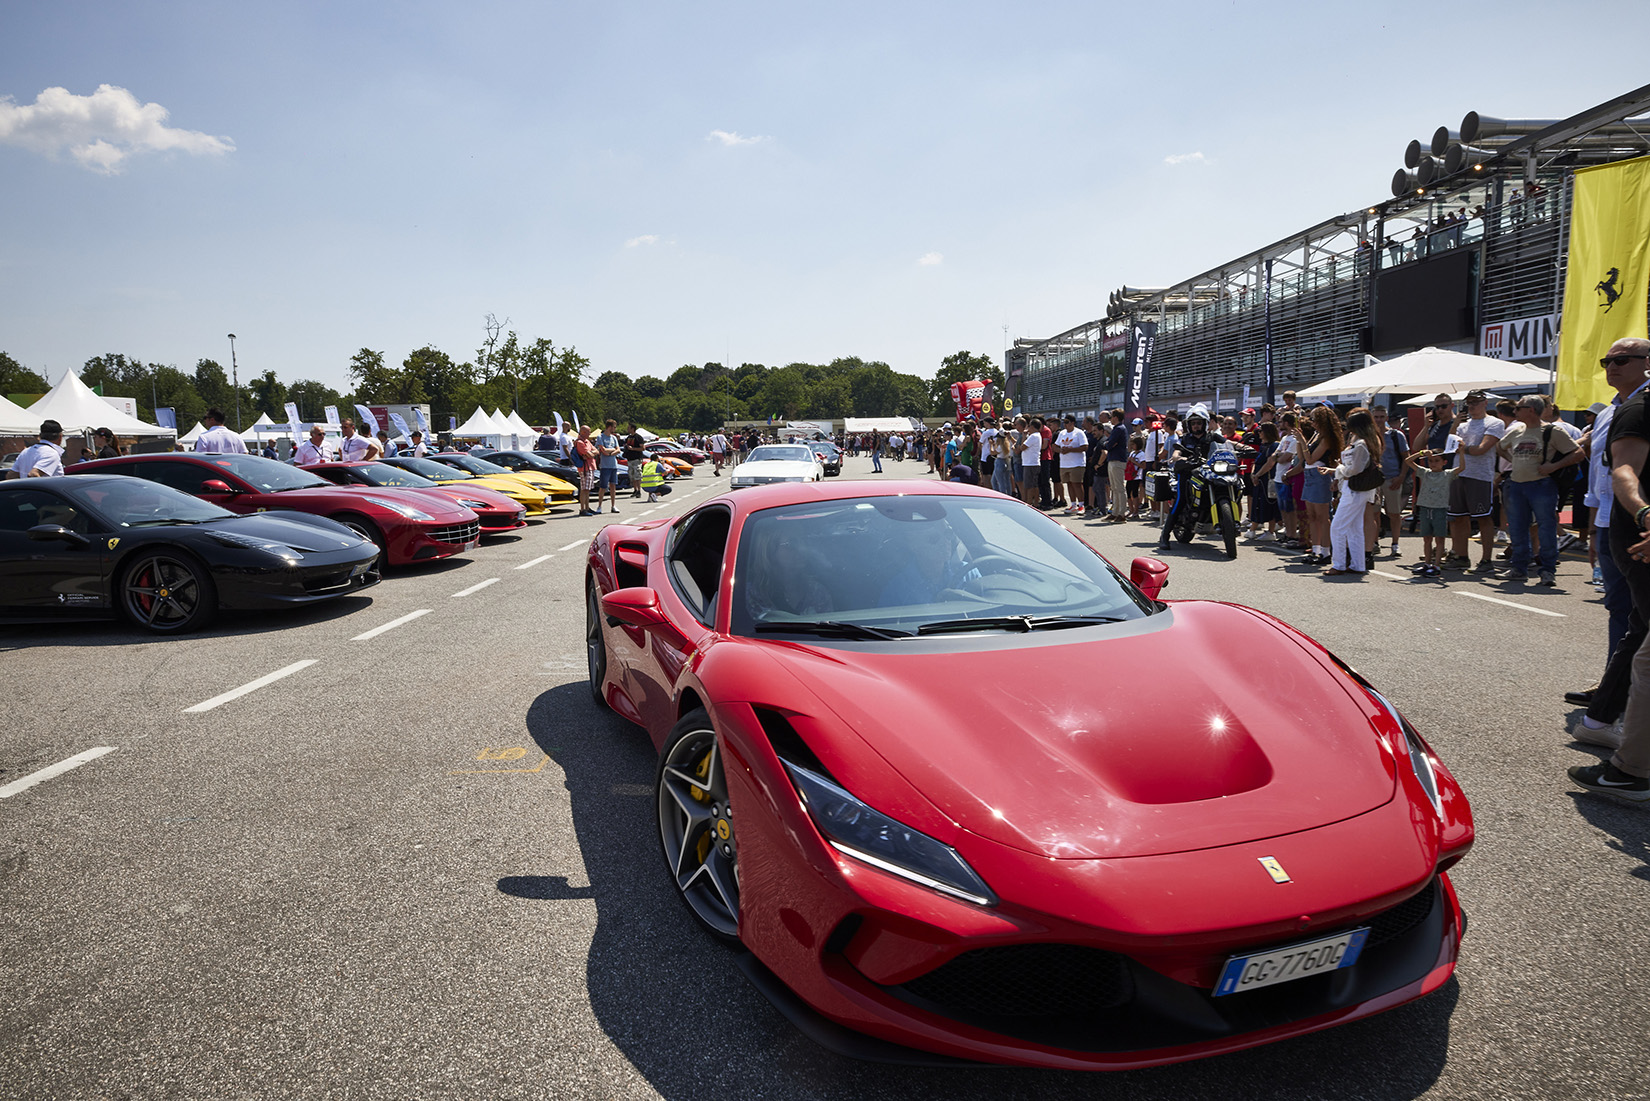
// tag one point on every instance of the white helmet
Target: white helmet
(1198, 412)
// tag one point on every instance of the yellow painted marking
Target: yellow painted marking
(514, 753)
(499, 771)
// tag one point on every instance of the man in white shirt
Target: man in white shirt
(1472, 495)
(418, 448)
(315, 449)
(43, 459)
(1069, 448)
(718, 451)
(217, 439)
(356, 448)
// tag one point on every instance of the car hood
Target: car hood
(297, 530)
(329, 498)
(1206, 725)
(775, 468)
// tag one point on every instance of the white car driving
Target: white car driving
(778, 462)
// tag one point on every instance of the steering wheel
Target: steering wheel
(1008, 564)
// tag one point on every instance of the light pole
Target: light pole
(235, 381)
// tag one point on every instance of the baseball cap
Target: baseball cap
(1596, 408)
(1137, 420)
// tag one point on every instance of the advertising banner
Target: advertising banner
(292, 418)
(1604, 285)
(1140, 367)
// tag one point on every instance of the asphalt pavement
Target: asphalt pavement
(389, 847)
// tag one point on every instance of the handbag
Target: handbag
(1370, 477)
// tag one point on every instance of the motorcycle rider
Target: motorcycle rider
(1190, 448)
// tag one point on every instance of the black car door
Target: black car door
(63, 575)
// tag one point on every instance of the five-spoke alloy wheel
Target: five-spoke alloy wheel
(696, 825)
(166, 592)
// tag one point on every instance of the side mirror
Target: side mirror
(215, 485)
(638, 607)
(1150, 575)
(44, 532)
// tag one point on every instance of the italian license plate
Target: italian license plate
(1295, 961)
(472, 544)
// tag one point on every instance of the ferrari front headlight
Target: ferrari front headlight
(856, 829)
(400, 508)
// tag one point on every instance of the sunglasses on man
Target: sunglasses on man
(1619, 361)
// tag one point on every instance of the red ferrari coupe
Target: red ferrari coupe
(958, 784)
(496, 513)
(404, 530)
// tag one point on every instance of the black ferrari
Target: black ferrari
(95, 546)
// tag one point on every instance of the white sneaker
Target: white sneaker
(1607, 736)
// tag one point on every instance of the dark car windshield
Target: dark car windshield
(380, 474)
(474, 465)
(267, 474)
(524, 458)
(429, 468)
(900, 563)
(135, 502)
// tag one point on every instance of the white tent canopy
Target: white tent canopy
(527, 432)
(877, 424)
(17, 421)
(479, 426)
(72, 404)
(1430, 370)
(263, 427)
(193, 434)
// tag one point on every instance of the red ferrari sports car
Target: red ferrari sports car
(404, 530)
(958, 784)
(496, 513)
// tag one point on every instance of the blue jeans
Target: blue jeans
(1524, 500)
(876, 460)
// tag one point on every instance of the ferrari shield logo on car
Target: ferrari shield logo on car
(113, 543)
(1273, 869)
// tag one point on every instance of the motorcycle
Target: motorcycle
(1208, 493)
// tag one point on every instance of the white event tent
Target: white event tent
(265, 428)
(72, 404)
(527, 432)
(479, 426)
(17, 421)
(1430, 370)
(193, 434)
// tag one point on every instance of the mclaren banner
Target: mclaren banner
(1140, 368)
(1605, 292)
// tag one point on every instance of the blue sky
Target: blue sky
(669, 183)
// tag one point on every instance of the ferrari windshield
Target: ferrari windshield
(135, 502)
(902, 564)
(434, 471)
(791, 453)
(378, 474)
(527, 458)
(267, 474)
(474, 465)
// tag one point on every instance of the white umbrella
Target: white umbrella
(1458, 397)
(1430, 370)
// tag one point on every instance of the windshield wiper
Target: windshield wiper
(1014, 623)
(830, 628)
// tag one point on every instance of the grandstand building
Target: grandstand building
(1467, 254)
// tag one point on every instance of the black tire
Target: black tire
(367, 530)
(1228, 527)
(1185, 522)
(595, 643)
(167, 591)
(696, 826)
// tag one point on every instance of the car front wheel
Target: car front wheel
(595, 645)
(167, 592)
(696, 825)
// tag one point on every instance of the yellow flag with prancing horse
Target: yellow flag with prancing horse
(1605, 291)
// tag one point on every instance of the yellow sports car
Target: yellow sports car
(556, 488)
(532, 498)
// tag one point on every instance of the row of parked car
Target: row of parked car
(167, 540)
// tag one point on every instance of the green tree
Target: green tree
(269, 396)
(784, 394)
(312, 398)
(18, 379)
(649, 386)
(960, 367)
(212, 384)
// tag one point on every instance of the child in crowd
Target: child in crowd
(1432, 503)
(1134, 473)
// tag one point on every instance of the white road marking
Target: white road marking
(58, 769)
(1509, 603)
(391, 625)
(570, 546)
(536, 561)
(1394, 576)
(476, 588)
(250, 686)
(654, 509)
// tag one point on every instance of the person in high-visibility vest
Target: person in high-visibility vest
(653, 479)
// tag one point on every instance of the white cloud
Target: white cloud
(930, 259)
(1185, 158)
(644, 239)
(100, 130)
(733, 137)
